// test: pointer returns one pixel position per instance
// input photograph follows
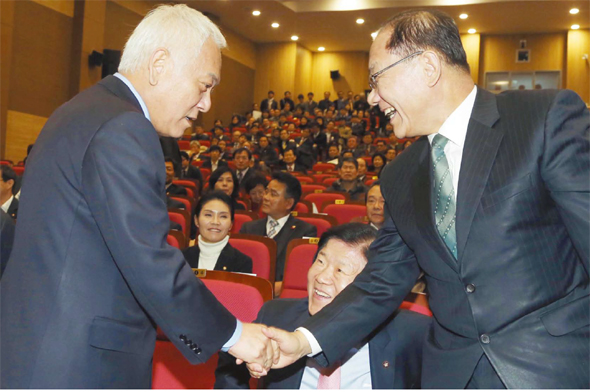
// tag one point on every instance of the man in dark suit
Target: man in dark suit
(189, 171)
(320, 141)
(242, 159)
(91, 275)
(266, 152)
(8, 202)
(287, 99)
(391, 358)
(6, 239)
(305, 150)
(285, 142)
(172, 189)
(281, 196)
(289, 163)
(325, 103)
(506, 261)
(269, 103)
(214, 162)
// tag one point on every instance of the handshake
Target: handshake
(263, 348)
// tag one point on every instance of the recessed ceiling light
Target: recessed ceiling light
(463, 16)
(575, 27)
(471, 31)
(294, 38)
(574, 11)
(360, 21)
(255, 12)
(275, 25)
(321, 49)
(374, 34)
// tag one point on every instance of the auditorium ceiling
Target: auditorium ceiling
(332, 23)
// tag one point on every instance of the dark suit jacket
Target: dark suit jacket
(264, 105)
(298, 167)
(6, 239)
(289, 101)
(249, 174)
(305, 152)
(176, 190)
(207, 164)
(268, 155)
(171, 150)
(13, 208)
(397, 342)
(193, 172)
(284, 145)
(293, 228)
(230, 259)
(521, 277)
(91, 273)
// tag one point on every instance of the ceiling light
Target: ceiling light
(374, 34)
(471, 31)
(574, 11)
(463, 16)
(321, 49)
(294, 38)
(255, 12)
(360, 21)
(275, 25)
(575, 27)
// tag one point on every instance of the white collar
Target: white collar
(455, 126)
(134, 91)
(6, 205)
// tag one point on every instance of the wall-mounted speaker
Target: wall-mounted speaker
(95, 59)
(334, 74)
(111, 62)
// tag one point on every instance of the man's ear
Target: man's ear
(290, 202)
(432, 67)
(10, 183)
(159, 62)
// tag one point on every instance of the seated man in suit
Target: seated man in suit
(242, 159)
(214, 162)
(280, 198)
(189, 171)
(173, 189)
(289, 162)
(305, 149)
(348, 181)
(390, 358)
(375, 205)
(8, 202)
(266, 153)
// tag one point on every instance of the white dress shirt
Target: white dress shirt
(455, 129)
(280, 221)
(355, 372)
(6, 205)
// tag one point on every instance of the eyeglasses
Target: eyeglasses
(373, 78)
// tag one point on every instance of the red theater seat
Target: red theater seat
(344, 213)
(321, 222)
(262, 251)
(300, 257)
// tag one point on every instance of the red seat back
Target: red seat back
(322, 167)
(178, 218)
(329, 181)
(184, 144)
(319, 198)
(318, 221)
(345, 212)
(172, 241)
(239, 220)
(309, 188)
(260, 253)
(300, 257)
(18, 170)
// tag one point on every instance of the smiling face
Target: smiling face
(225, 183)
(178, 92)
(169, 172)
(401, 91)
(214, 221)
(335, 268)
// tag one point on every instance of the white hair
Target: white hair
(174, 27)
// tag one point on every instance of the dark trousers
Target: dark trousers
(484, 376)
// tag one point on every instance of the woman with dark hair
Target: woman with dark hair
(214, 216)
(236, 122)
(255, 187)
(224, 179)
(378, 163)
(304, 123)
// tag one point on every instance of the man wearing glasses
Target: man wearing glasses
(492, 203)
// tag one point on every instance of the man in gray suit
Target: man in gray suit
(492, 203)
(91, 274)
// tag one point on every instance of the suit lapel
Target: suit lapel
(380, 351)
(421, 196)
(120, 89)
(479, 152)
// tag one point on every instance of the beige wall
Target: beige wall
(354, 73)
(6, 34)
(275, 70)
(498, 53)
(303, 73)
(578, 69)
(471, 43)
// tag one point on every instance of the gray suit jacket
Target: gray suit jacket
(91, 273)
(518, 291)
(395, 350)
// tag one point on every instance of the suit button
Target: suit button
(182, 338)
(485, 339)
(197, 351)
(386, 364)
(193, 346)
(470, 288)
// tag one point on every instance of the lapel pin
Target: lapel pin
(292, 227)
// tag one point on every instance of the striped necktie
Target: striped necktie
(444, 194)
(273, 228)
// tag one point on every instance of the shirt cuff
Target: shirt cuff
(234, 338)
(313, 343)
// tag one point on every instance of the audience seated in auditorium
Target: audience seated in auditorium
(305, 149)
(378, 163)
(242, 159)
(7, 200)
(289, 162)
(214, 216)
(269, 103)
(266, 153)
(235, 122)
(7, 228)
(310, 104)
(280, 198)
(320, 141)
(254, 189)
(189, 171)
(195, 151)
(375, 205)
(172, 189)
(390, 358)
(362, 170)
(390, 154)
(348, 182)
(352, 145)
(224, 179)
(367, 148)
(333, 154)
(214, 162)
(199, 134)
(285, 143)
(340, 103)
(287, 99)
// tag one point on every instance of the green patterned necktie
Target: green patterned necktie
(444, 194)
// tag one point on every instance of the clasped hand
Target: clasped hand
(256, 349)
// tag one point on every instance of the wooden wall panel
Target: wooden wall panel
(6, 34)
(119, 24)
(578, 69)
(499, 53)
(65, 7)
(303, 69)
(22, 130)
(239, 48)
(275, 70)
(354, 73)
(471, 44)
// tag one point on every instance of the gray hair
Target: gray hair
(174, 27)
